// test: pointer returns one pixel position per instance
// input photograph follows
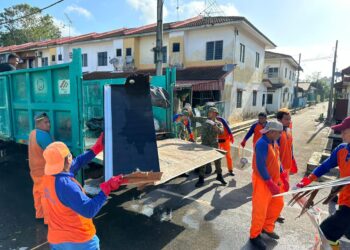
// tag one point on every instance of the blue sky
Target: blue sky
(309, 27)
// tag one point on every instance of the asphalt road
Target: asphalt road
(174, 215)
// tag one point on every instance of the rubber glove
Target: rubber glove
(112, 184)
(294, 168)
(210, 122)
(98, 146)
(284, 180)
(274, 189)
(232, 140)
(306, 181)
(243, 143)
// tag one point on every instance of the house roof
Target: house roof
(304, 85)
(274, 55)
(197, 21)
(200, 78)
(276, 85)
(346, 71)
(187, 74)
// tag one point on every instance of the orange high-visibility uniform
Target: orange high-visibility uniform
(225, 144)
(286, 150)
(65, 225)
(265, 209)
(36, 166)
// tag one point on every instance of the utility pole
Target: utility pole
(159, 39)
(298, 74)
(330, 108)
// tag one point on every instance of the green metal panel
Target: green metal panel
(5, 125)
(55, 90)
(93, 100)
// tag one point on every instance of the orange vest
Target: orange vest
(224, 136)
(64, 224)
(272, 163)
(257, 134)
(286, 149)
(344, 169)
(35, 153)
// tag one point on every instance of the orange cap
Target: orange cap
(54, 156)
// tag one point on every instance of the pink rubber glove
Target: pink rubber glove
(243, 143)
(274, 189)
(284, 179)
(306, 181)
(112, 184)
(98, 146)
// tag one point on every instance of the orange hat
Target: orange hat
(54, 156)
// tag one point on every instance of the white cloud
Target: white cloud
(147, 9)
(315, 57)
(65, 29)
(79, 10)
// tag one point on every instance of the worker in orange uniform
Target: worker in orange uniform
(268, 179)
(70, 210)
(286, 142)
(225, 141)
(255, 130)
(39, 139)
(338, 224)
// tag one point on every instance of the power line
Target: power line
(35, 12)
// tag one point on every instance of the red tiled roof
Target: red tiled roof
(151, 28)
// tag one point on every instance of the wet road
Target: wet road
(173, 215)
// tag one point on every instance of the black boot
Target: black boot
(221, 179)
(272, 235)
(258, 242)
(200, 182)
(280, 219)
(231, 173)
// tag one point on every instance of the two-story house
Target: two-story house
(280, 70)
(220, 58)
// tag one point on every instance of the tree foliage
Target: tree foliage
(31, 27)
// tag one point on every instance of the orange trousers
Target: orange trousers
(38, 194)
(265, 208)
(227, 147)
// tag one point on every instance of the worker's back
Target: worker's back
(6, 67)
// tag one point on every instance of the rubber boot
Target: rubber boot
(258, 242)
(231, 173)
(200, 182)
(221, 179)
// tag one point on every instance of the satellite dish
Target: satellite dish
(115, 62)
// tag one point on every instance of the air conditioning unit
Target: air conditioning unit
(38, 54)
(129, 60)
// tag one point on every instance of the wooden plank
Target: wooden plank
(177, 157)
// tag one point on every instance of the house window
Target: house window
(285, 73)
(84, 59)
(269, 98)
(242, 53)
(53, 58)
(176, 47)
(239, 98)
(60, 57)
(290, 75)
(284, 97)
(257, 60)
(255, 93)
(263, 100)
(118, 52)
(273, 73)
(128, 51)
(164, 54)
(44, 61)
(102, 58)
(214, 50)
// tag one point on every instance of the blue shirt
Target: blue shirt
(70, 194)
(43, 138)
(261, 151)
(331, 161)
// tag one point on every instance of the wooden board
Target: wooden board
(177, 157)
